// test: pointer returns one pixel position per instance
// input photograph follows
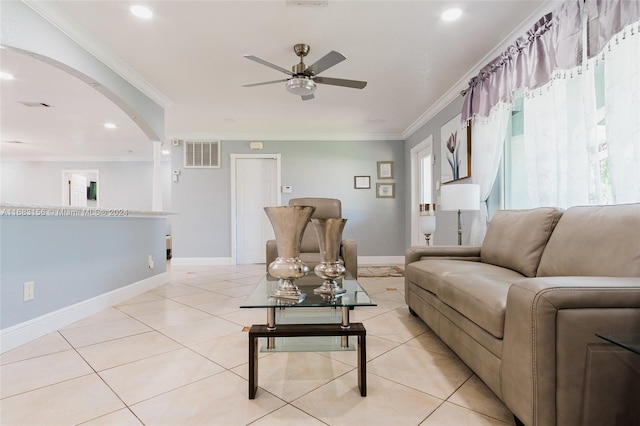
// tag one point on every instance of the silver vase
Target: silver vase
(329, 233)
(289, 223)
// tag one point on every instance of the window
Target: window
(572, 169)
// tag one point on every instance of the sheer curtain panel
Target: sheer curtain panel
(622, 114)
(488, 137)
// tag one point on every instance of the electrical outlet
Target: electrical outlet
(29, 290)
(150, 262)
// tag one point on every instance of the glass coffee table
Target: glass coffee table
(330, 318)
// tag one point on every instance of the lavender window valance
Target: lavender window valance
(553, 43)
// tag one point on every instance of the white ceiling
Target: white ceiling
(189, 58)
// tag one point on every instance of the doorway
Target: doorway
(422, 161)
(80, 188)
(255, 180)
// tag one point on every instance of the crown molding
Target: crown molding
(463, 83)
(64, 23)
(285, 137)
(87, 159)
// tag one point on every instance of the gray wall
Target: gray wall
(446, 222)
(72, 259)
(202, 197)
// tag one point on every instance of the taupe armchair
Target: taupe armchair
(310, 248)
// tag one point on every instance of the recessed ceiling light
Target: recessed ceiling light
(5, 76)
(141, 11)
(451, 14)
(166, 152)
(109, 126)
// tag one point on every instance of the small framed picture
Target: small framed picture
(385, 190)
(362, 182)
(385, 169)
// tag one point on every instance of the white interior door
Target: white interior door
(78, 191)
(256, 188)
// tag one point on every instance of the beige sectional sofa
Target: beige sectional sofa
(523, 309)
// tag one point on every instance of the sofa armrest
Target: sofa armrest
(349, 253)
(550, 321)
(415, 253)
(272, 252)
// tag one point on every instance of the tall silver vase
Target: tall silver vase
(329, 233)
(289, 223)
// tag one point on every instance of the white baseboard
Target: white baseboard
(27, 331)
(202, 261)
(380, 260)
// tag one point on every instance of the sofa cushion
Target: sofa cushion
(595, 241)
(476, 290)
(516, 238)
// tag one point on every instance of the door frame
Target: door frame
(234, 197)
(65, 184)
(415, 188)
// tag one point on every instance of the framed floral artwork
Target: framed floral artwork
(455, 158)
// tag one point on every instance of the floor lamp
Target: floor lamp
(458, 198)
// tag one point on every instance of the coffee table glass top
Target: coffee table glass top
(354, 296)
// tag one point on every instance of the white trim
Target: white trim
(51, 13)
(27, 331)
(235, 157)
(380, 260)
(202, 261)
(463, 83)
(319, 137)
(91, 159)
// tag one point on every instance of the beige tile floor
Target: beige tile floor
(177, 355)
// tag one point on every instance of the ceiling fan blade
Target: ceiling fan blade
(268, 64)
(307, 97)
(327, 61)
(265, 82)
(354, 84)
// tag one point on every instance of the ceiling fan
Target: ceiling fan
(303, 78)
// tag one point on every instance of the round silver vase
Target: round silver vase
(289, 223)
(329, 233)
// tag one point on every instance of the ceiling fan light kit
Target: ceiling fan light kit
(304, 78)
(301, 86)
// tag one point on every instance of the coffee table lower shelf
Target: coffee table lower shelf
(304, 330)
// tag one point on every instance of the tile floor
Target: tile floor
(177, 355)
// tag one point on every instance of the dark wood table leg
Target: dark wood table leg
(362, 364)
(253, 366)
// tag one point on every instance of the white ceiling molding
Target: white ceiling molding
(463, 83)
(286, 137)
(49, 12)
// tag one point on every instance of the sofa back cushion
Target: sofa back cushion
(326, 208)
(516, 238)
(595, 241)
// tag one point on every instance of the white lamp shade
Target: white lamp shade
(427, 224)
(460, 197)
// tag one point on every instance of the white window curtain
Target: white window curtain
(487, 137)
(560, 142)
(622, 114)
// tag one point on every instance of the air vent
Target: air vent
(35, 104)
(202, 154)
